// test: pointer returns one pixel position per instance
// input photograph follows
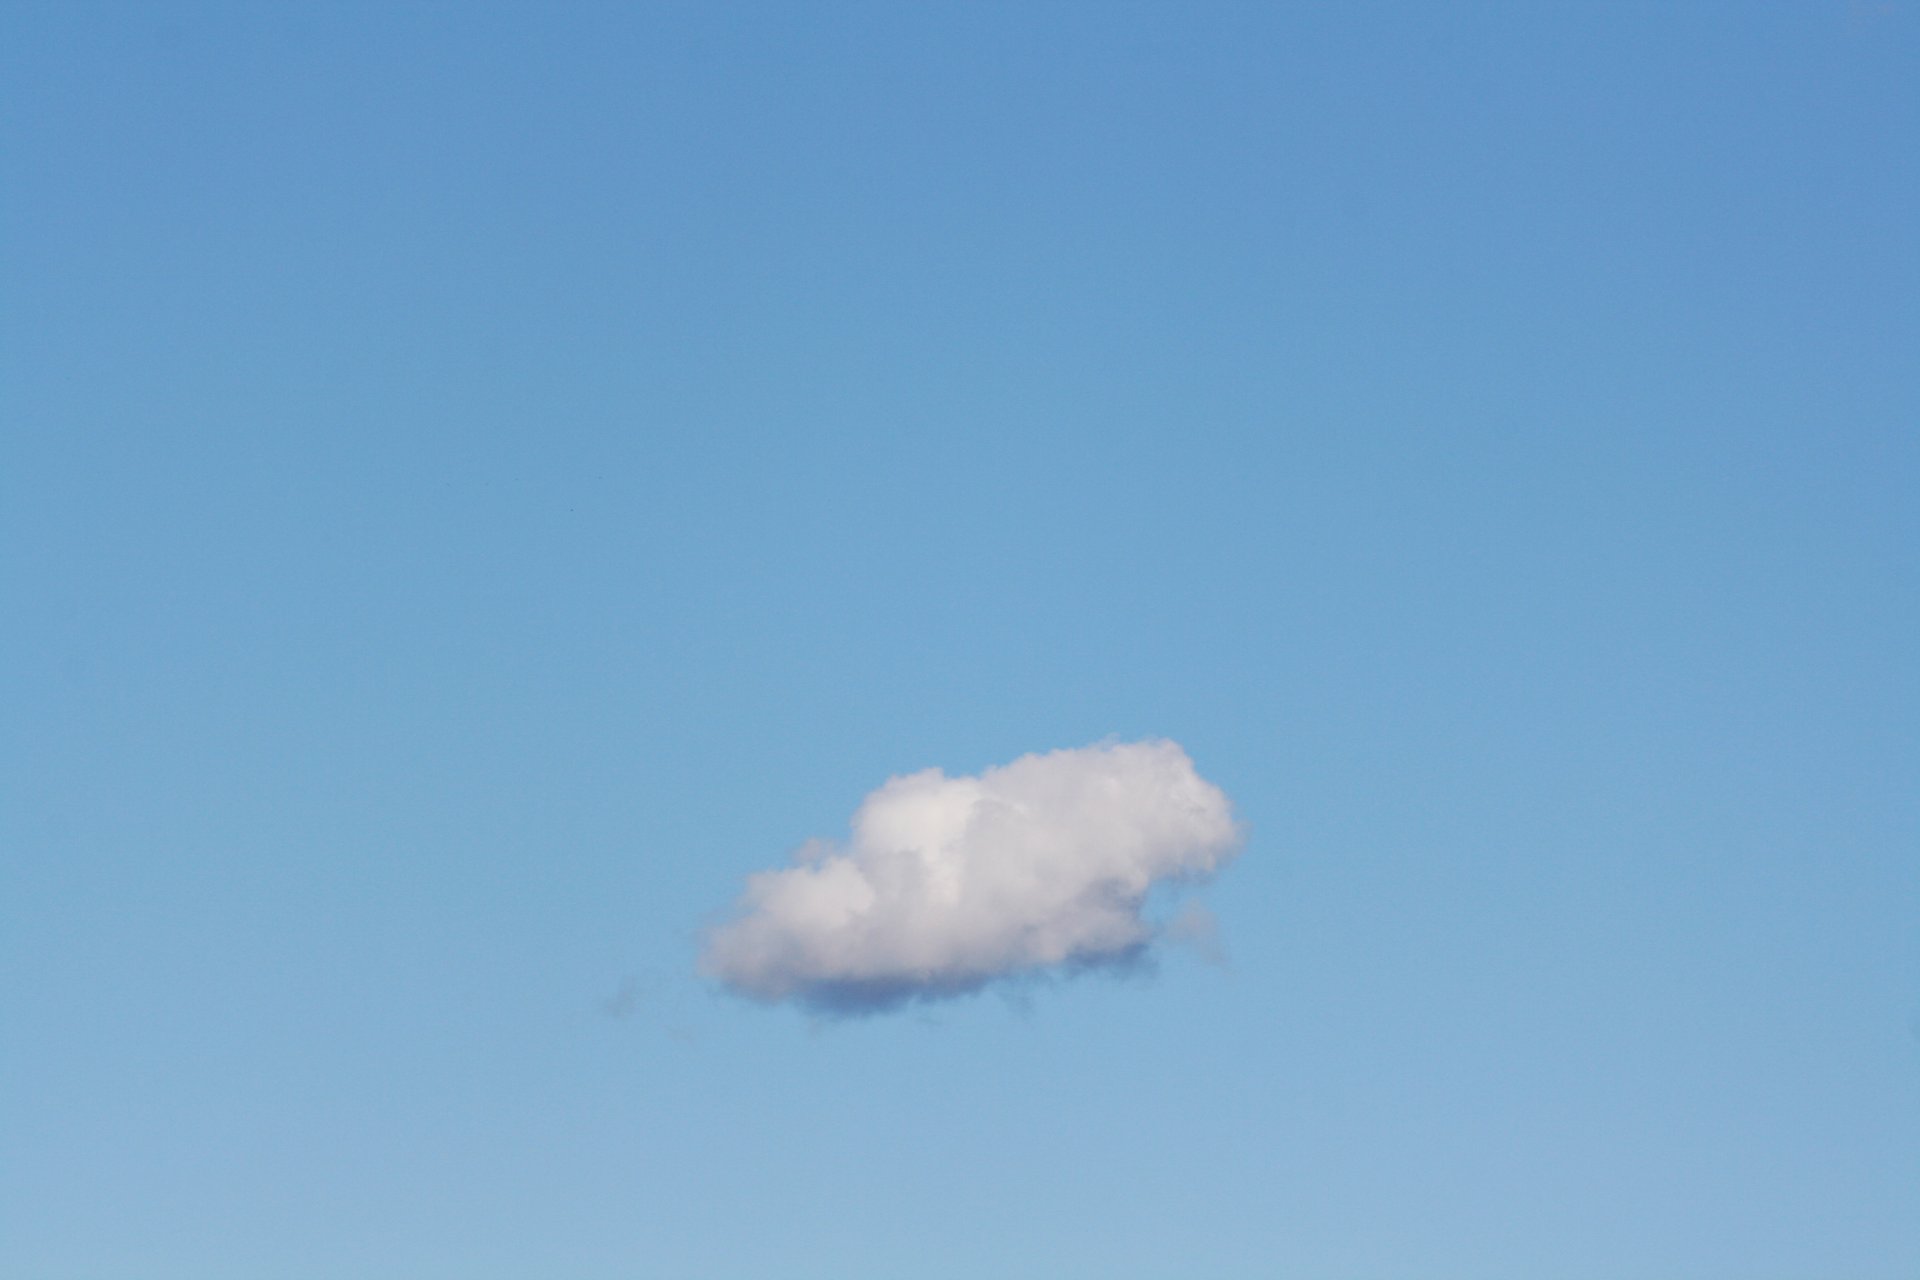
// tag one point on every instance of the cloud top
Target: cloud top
(947, 884)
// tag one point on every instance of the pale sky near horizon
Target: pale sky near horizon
(477, 482)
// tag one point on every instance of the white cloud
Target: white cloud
(950, 883)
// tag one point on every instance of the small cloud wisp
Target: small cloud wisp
(948, 884)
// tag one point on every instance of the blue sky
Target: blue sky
(478, 481)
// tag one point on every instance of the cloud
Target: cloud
(948, 884)
(623, 1001)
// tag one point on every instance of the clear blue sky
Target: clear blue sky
(479, 480)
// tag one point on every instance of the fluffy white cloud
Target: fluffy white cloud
(950, 883)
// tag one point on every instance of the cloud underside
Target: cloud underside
(946, 884)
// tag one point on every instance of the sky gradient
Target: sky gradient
(478, 481)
